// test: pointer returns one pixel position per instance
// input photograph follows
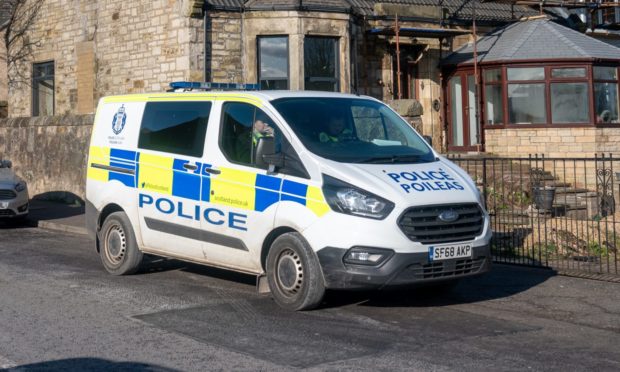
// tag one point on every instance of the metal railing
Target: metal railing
(561, 213)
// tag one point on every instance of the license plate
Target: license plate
(448, 252)
(4, 205)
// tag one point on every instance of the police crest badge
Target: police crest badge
(118, 122)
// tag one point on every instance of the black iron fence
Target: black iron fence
(561, 213)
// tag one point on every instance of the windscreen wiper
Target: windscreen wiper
(391, 159)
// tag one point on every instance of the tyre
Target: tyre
(294, 274)
(118, 248)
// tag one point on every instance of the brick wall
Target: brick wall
(558, 143)
(110, 47)
(49, 152)
(552, 142)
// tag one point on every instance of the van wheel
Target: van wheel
(119, 251)
(294, 274)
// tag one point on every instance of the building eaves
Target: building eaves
(341, 6)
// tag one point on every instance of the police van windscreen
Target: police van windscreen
(353, 130)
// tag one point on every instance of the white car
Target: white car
(13, 193)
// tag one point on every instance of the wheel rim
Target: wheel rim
(115, 244)
(289, 272)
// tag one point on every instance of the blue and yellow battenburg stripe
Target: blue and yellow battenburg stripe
(232, 187)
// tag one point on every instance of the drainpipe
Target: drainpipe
(206, 43)
(400, 96)
(476, 79)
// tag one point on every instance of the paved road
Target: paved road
(60, 310)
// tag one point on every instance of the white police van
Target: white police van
(306, 190)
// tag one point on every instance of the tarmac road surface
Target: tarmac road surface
(59, 310)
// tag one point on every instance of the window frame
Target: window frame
(337, 62)
(548, 66)
(615, 81)
(288, 59)
(35, 87)
(503, 94)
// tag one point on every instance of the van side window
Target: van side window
(175, 127)
(242, 126)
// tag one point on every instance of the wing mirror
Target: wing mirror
(266, 156)
(428, 140)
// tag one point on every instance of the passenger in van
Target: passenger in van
(245, 147)
(261, 129)
(335, 130)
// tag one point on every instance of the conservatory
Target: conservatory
(543, 88)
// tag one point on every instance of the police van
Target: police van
(306, 190)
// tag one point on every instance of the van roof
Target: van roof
(265, 95)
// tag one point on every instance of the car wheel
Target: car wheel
(294, 273)
(119, 251)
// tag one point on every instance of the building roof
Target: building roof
(457, 9)
(533, 39)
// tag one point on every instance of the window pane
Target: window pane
(494, 109)
(606, 102)
(236, 138)
(456, 106)
(605, 73)
(569, 103)
(274, 84)
(493, 75)
(43, 89)
(273, 61)
(176, 127)
(242, 126)
(568, 72)
(526, 104)
(321, 63)
(528, 73)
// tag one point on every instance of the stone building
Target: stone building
(87, 49)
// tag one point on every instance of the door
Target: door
(171, 144)
(464, 131)
(240, 205)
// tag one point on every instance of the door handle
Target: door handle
(213, 170)
(189, 166)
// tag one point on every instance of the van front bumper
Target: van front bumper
(400, 269)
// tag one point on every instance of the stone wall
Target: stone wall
(223, 48)
(552, 142)
(50, 152)
(110, 47)
(559, 143)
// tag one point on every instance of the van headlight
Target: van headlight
(345, 198)
(20, 186)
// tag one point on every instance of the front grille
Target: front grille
(6, 213)
(444, 269)
(422, 224)
(7, 194)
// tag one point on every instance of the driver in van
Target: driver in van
(335, 130)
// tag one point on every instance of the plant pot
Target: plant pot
(543, 197)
